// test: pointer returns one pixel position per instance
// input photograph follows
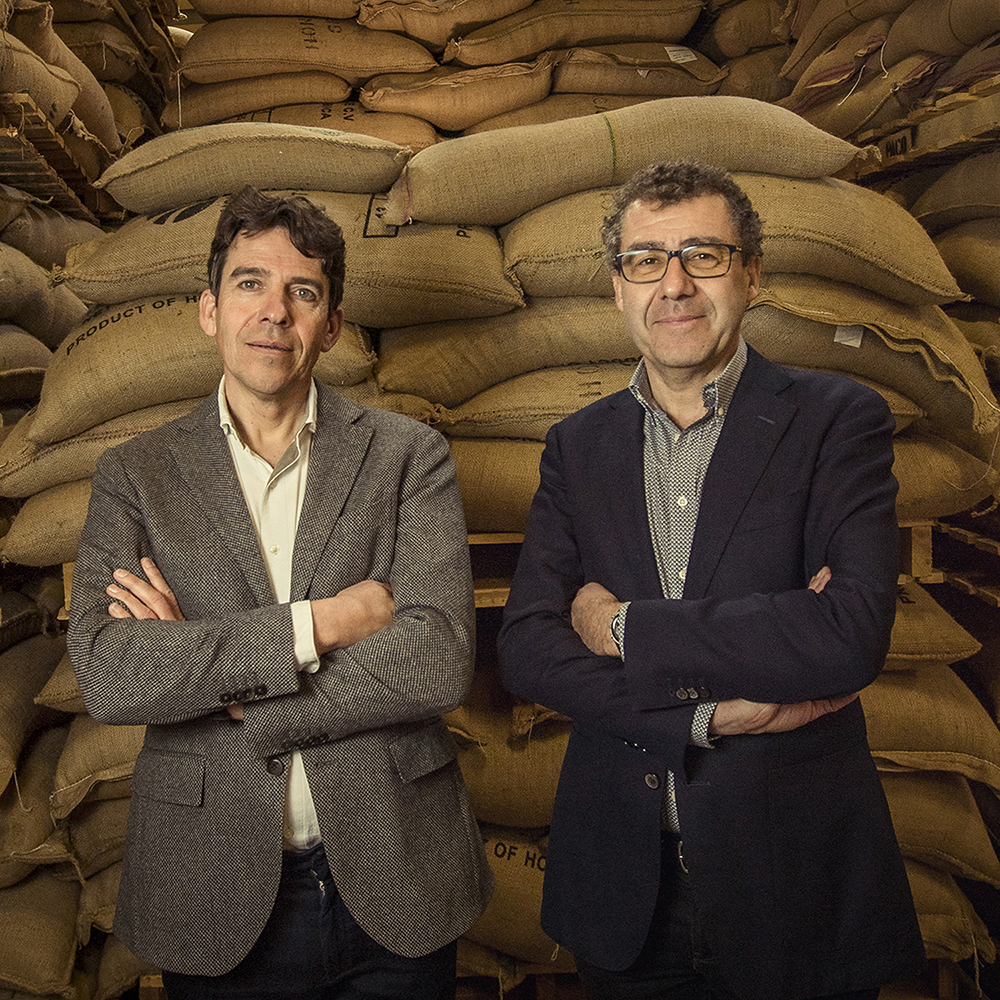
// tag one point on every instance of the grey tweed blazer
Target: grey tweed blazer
(203, 853)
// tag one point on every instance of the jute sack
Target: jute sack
(937, 478)
(28, 301)
(97, 902)
(970, 251)
(562, 24)
(511, 780)
(948, 27)
(24, 669)
(61, 690)
(119, 970)
(916, 350)
(556, 108)
(12, 202)
(25, 823)
(230, 49)
(46, 530)
(511, 922)
(449, 363)
(434, 23)
(107, 51)
(949, 925)
(96, 764)
(480, 178)
(937, 821)
(981, 62)
(740, 27)
(215, 103)
(32, 23)
(197, 164)
(151, 351)
(23, 361)
(133, 118)
(460, 272)
(82, 10)
(647, 69)
(52, 89)
(352, 116)
(97, 834)
(924, 634)
(453, 98)
(20, 618)
(38, 935)
(968, 190)
(756, 75)
(828, 22)
(528, 405)
(929, 720)
(43, 233)
(497, 480)
(210, 9)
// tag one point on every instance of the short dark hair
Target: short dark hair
(312, 232)
(664, 184)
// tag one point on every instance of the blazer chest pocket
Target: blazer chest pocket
(178, 778)
(423, 751)
(767, 511)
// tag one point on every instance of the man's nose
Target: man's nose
(275, 308)
(676, 282)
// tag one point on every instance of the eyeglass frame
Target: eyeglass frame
(732, 248)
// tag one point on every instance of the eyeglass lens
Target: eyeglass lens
(702, 260)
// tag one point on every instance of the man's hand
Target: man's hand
(739, 716)
(593, 608)
(820, 580)
(154, 599)
(353, 614)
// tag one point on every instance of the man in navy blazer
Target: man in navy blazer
(708, 579)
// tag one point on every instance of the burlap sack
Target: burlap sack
(61, 690)
(106, 50)
(29, 302)
(213, 103)
(916, 350)
(928, 719)
(497, 480)
(20, 618)
(938, 822)
(230, 49)
(528, 405)
(38, 935)
(948, 27)
(82, 10)
(23, 360)
(25, 823)
(480, 178)
(46, 530)
(96, 764)
(434, 23)
(562, 24)
(949, 925)
(970, 252)
(97, 902)
(981, 62)
(756, 75)
(647, 69)
(24, 669)
(412, 274)
(52, 89)
(453, 98)
(12, 202)
(740, 27)
(97, 834)
(211, 9)
(556, 108)
(352, 116)
(970, 189)
(449, 363)
(828, 22)
(119, 970)
(924, 634)
(147, 352)
(27, 468)
(32, 23)
(133, 118)
(43, 233)
(201, 163)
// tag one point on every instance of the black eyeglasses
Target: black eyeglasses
(700, 260)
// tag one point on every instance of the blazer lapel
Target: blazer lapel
(756, 422)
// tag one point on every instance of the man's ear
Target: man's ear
(616, 280)
(206, 312)
(335, 329)
(754, 271)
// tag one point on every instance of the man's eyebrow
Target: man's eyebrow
(249, 271)
(660, 245)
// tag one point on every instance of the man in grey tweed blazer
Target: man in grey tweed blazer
(291, 612)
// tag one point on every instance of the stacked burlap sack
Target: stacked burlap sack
(858, 65)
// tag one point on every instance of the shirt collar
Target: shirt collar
(308, 422)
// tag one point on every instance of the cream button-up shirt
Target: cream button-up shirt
(274, 498)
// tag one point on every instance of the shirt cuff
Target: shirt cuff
(306, 657)
(699, 725)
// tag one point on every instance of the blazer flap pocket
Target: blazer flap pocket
(422, 751)
(170, 777)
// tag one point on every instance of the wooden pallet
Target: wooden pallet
(34, 158)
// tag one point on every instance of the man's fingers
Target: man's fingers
(820, 580)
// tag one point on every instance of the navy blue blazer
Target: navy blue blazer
(788, 838)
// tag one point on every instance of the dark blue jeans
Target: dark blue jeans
(311, 948)
(669, 966)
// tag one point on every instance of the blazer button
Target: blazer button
(692, 692)
(275, 766)
(653, 780)
(225, 698)
(682, 694)
(260, 690)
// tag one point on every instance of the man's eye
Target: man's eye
(305, 293)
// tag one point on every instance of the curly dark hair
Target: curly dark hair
(664, 184)
(312, 232)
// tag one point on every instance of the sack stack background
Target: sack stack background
(469, 151)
